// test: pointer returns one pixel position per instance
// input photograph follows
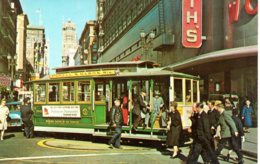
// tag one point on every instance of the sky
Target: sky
(52, 15)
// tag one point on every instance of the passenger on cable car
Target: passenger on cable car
(157, 106)
(52, 94)
(124, 106)
(140, 107)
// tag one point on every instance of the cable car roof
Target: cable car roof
(148, 64)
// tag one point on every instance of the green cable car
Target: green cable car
(78, 99)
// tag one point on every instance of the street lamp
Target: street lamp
(146, 41)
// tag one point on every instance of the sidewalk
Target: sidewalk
(249, 147)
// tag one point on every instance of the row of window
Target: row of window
(117, 22)
(67, 92)
(80, 91)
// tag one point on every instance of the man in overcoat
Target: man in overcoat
(228, 132)
(202, 137)
(26, 114)
(140, 105)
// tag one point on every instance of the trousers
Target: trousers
(204, 149)
(233, 143)
(28, 128)
(115, 140)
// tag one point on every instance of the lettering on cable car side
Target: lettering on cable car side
(78, 74)
(191, 23)
(61, 122)
(61, 111)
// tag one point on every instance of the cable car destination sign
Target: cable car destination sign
(79, 74)
(191, 23)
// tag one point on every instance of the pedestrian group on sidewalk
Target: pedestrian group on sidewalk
(214, 125)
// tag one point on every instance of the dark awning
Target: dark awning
(227, 54)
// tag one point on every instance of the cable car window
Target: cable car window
(84, 91)
(54, 92)
(102, 92)
(188, 91)
(40, 92)
(178, 90)
(195, 91)
(68, 91)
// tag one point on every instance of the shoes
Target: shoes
(134, 130)
(241, 161)
(227, 157)
(111, 146)
(174, 155)
(120, 147)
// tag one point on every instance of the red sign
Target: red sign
(191, 23)
(137, 58)
(234, 9)
(5, 81)
(249, 7)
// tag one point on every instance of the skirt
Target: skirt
(173, 136)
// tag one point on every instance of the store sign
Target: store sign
(191, 23)
(61, 111)
(79, 74)
(5, 81)
(234, 9)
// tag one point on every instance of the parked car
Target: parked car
(15, 114)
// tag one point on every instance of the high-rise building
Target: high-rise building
(217, 40)
(88, 44)
(23, 67)
(46, 57)
(69, 43)
(9, 9)
(35, 47)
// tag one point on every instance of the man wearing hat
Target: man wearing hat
(228, 132)
(157, 105)
(140, 105)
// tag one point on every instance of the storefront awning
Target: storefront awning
(233, 53)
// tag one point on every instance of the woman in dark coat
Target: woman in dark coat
(247, 115)
(175, 127)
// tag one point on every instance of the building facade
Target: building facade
(46, 68)
(9, 9)
(88, 44)
(69, 43)
(22, 66)
(226, 32)
(36, 49)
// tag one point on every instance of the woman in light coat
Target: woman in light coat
(4, 111)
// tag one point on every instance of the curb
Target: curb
(249, 153)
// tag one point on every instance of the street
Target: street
(18, 149)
